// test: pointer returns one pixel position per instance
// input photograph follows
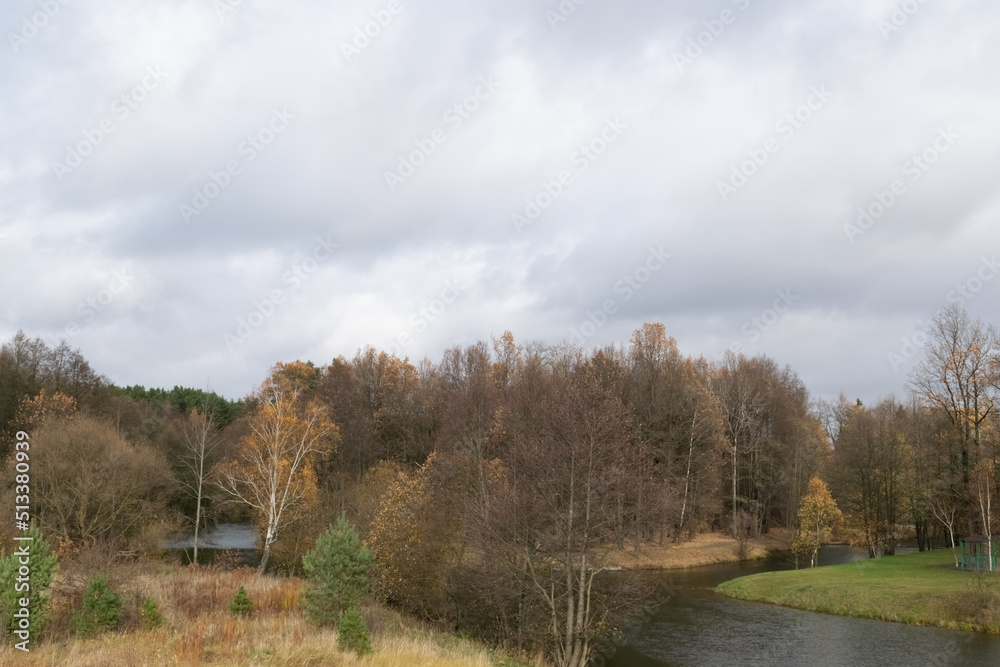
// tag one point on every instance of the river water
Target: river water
(695, 627)
(234, 542)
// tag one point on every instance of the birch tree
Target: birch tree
(273, 470)
(200, 442)
(983, 489)
(817, 515)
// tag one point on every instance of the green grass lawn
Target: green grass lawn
(920, 589)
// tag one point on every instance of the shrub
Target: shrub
(336, 570)
(101, 608)
(241, 605)
(44, 564)
(150, 614)
(352, 634)
(93, 484)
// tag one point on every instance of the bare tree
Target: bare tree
(945, 509)
(983, 487)
(833, 415)
(742, 404)
(470, 409)
(90, 484)
(872, 462)
(201, 440)
(958, 376)
(555, 511)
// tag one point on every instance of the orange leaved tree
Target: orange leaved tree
(272, 470)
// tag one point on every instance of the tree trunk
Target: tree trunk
(620, 524)
(637, 547)
(197, 511)
(687, 477)
(921, 528)
(268, 541)
(263, 559)
(197, 521)
(734, 488)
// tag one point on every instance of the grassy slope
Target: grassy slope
(199, 631)
(226, 641)
(920, 589)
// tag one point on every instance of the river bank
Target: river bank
(704, 549)
(917, 589)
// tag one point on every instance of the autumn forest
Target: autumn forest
(493, 486)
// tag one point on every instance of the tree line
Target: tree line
(493, 485)
(927, 466)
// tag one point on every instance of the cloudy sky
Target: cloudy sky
(193, 190)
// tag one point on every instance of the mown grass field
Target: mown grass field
(919, 589)
(199, 631)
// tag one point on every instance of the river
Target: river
(695, 627)
(236, 543)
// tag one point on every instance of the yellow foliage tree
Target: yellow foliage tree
(818, 513)
(411, 538)
(273, 467)
(33, 412)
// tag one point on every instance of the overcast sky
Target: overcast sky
(191, 191)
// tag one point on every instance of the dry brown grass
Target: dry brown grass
(218, 639)
(704, 549)
(199, 631)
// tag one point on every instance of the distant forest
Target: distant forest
(491, 485)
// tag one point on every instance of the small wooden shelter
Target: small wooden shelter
(976, 552)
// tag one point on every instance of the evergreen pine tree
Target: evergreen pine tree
(241, 605)
(353, 633)
(101, 609)
(43, 565)
(336, 570)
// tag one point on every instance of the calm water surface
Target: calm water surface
(235, 541)
(695, 627)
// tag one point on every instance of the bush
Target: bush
(150, 614)
(44, 564)
(101, 608)
(92, 484)
(353, 633)
(241, 605)
(980, 604)
(336, 570)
